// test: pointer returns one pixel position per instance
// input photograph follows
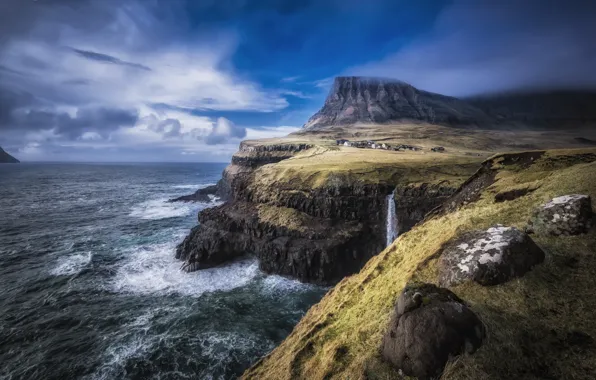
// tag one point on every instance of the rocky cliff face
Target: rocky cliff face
(374, 100)
(316, 234)
(6, 158)
(412, 203)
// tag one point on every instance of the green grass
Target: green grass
(531, 321)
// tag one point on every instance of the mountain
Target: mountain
(379, 101)
(6, 158)
(376, 100)
(548, 107)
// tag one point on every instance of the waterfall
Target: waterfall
(391, 219)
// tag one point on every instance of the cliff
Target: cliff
(313, 211)
(538, 326)
(6, 158)
(364, 100)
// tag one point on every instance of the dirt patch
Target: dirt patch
(512, 194)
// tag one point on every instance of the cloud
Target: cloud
(108, 59)
(98, 120)
(83, 74)
(488, 46)
(224, 130)
(268, 132)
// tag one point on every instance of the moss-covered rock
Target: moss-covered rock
(428, 326)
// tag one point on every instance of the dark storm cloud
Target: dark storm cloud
(105, 58)
(99, 120)
(491, 46)
(19, 18)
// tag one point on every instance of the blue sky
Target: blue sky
(182, 80)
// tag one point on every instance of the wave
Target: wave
(153, 269)
(162, 209)
(144, 341)
(193, 187)
(71, 265)
(278, 285)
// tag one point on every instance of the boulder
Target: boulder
(428, 326)
(566, 215)
(488, 257)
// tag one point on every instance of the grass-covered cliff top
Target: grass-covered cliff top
(326, 163)
(321, 165)
(536, 325)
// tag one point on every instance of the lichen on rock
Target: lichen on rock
(565, 215)
(488, 257)
(428, 326)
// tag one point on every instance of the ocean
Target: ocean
(90, 289)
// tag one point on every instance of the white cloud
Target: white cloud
(268, 132)
(180, 78)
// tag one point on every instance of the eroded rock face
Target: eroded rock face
(412, 203)
(565, 215)
(375, 100)
(488, 257)
(320, 251)
(429, 324)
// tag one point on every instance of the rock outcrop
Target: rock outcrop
(413, 202)
(6, 158)
(565, 215)
(201, 195)
(428, 326)
(488, 257)
(320, 250)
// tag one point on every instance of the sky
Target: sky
(184, 80)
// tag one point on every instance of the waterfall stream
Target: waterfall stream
(392, 226)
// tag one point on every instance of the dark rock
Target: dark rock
(439, 149)
(566, 215)
(488, 257)
(321, 251)
(6, 158)
(412, 203)
(428, 326)
(512, 194)
(201, 195)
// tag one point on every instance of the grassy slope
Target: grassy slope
(530, 320)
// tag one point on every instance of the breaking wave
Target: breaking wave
(71, 265)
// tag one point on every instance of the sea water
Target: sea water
(90, 288)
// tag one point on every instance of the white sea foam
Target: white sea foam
(280, 285)
(222, 347)
(193, 187)
(72, 264)
(117, 355)
(162, 209)
(153, 269)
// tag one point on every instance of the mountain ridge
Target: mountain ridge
(371, 100)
